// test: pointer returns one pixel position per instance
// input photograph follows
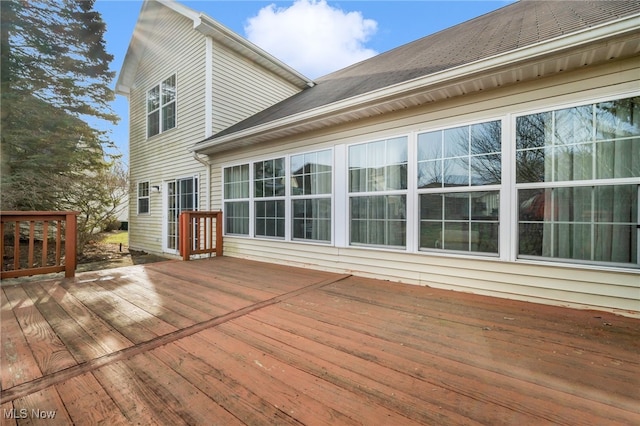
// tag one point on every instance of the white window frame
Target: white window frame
(161, 106)
(500, 188)
(271, 198)
(143, 197)
(288, 198)
(407, 193)
(246, 199)
(515, 187)
(507, 189)
(320, 196)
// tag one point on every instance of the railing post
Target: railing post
(219, 233)
(185, 234)
(70, 238)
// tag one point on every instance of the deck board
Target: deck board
(16, 359)
(87, 402)
(106, 336)
(230, 341)
(48, 350)
(493, 343)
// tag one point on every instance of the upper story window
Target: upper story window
(161, 107)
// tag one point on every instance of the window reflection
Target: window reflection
(593, 223)
(462, 156)
(466, 156)
(460, 221)
(378, 166)
(564, 145)
(311, 176)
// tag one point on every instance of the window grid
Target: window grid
(470, 193)
(577, 180)
(458, 184)
(143, 198)
(269, 191)
(378, 193)
(161, 107)
(311, 187)
(236, 188)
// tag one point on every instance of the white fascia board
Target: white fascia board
(131, 58)
(209, 26)
(180, 8)
(483, 66)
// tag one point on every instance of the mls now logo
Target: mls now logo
(23, 413)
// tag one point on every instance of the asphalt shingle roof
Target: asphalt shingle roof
(509, 28)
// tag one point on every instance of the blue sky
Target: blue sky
(329, 35)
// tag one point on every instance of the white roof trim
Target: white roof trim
(529, 54)
(209, 27)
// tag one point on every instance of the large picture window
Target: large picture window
(161, 107)
(459, 177)
(578, 174)
(378, 193)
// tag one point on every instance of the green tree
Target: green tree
(54, 73)
(54, 50)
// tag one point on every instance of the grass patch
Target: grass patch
(119, 237)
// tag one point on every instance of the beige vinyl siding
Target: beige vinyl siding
(240, 89)
(172, 47)
(546, 282)
(560, 285)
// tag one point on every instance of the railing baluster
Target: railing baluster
(45, 242)
(58, 242)
(16, 246)
(32, 237)
(71, 238)
(219, 233)
(2, 246)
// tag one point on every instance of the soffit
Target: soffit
(573, 52)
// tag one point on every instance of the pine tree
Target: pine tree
(54, 50)
(54, 73)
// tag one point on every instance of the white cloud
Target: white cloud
(312, 36)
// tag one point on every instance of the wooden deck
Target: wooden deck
(228, 341)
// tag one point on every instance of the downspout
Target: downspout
(207, 164)
(208, 113)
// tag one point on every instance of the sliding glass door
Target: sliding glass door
(180, 195)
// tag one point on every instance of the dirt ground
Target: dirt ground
(97, 255)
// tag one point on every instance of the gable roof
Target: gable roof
(521, 41)
(206, 26)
